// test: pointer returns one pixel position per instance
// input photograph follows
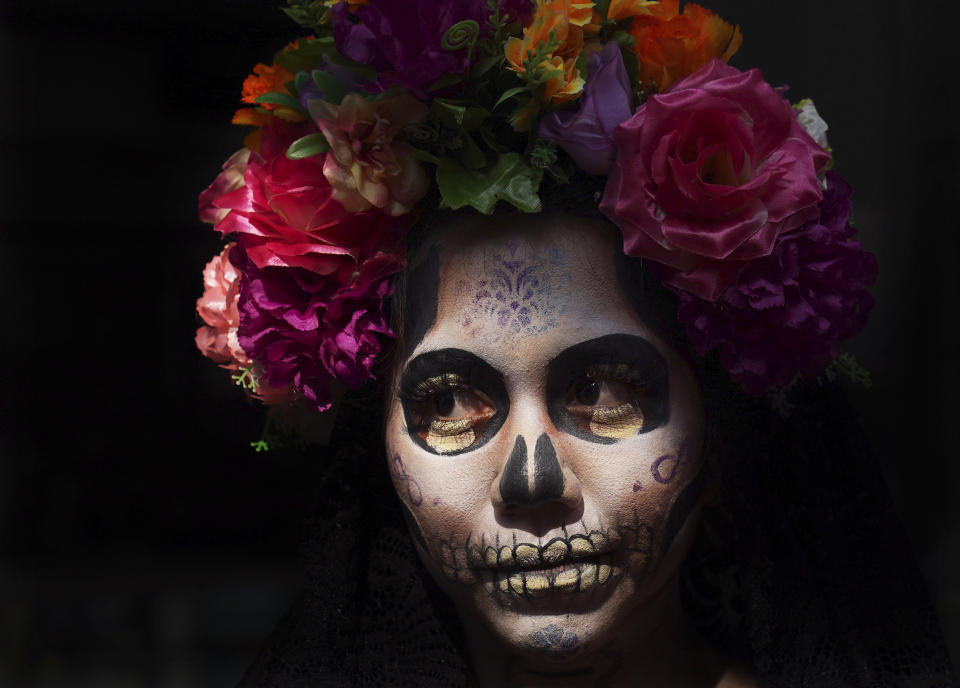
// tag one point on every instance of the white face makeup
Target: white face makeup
(544, 440)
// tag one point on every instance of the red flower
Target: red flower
(285, 214)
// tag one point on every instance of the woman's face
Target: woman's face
(542, 438)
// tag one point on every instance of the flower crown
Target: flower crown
(711, 175)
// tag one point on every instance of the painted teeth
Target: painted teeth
(604, 573)
(555, 551)
(460, 556)
(567, 581)
(537, 584)
(506, 556)
(504, 585)
(527, 555)
(588, 577)
(598, 540)
(516, 583)
(490, 557)
(580, 545)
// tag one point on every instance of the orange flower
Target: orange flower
(265, 78)
(257, 117)
(671, 46)
(617, 11)
(558, 22)
(624, 9)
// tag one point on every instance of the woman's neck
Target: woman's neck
(658, 648)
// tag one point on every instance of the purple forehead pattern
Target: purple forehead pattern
(522, 288)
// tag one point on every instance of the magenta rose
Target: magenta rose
(709, 174)
(309, 332)
(285, 214)
(586, 131)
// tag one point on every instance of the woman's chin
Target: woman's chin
(552, 627)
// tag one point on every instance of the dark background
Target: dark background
(142, 542)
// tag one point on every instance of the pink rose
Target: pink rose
(285, 214)
(217, 340)
(709, 174)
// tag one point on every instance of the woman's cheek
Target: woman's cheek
(440, 503)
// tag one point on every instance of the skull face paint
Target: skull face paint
(527, 444)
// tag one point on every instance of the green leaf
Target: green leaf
(456, 115)
(603, 8)
(508, 94)
(301, 80)
(445, 81)
(470, 155)
(306, 146)
(510, 180)
(485, 65)
(282, 99)
(363, 71)
(424, 156)
(297, 14)
(330, 88)
(307, 56)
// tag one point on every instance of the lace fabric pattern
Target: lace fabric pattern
(801, 568)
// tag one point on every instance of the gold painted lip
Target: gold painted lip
(556, 555)
(551, 566)
(584, 575)
(554, 567)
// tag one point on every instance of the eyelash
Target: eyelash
(446, 436)
(609, 422)
(454, 435)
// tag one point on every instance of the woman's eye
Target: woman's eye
(445, 403)
(451, 420)
(607, 408)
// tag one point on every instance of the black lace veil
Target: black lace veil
(800, 569)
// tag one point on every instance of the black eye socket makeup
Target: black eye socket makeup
(609, 388)
(453, 401)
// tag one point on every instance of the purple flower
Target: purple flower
(308, 330)
(401, 39)
(517, 11)
(586, 133)
(787, 311)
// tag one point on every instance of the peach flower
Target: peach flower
(217, 340)
(368, 166)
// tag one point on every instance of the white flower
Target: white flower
(812, 122)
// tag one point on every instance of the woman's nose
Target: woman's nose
(531, 479)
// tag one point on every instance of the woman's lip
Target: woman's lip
(584, 574)
(557, 552)
(542, 566)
